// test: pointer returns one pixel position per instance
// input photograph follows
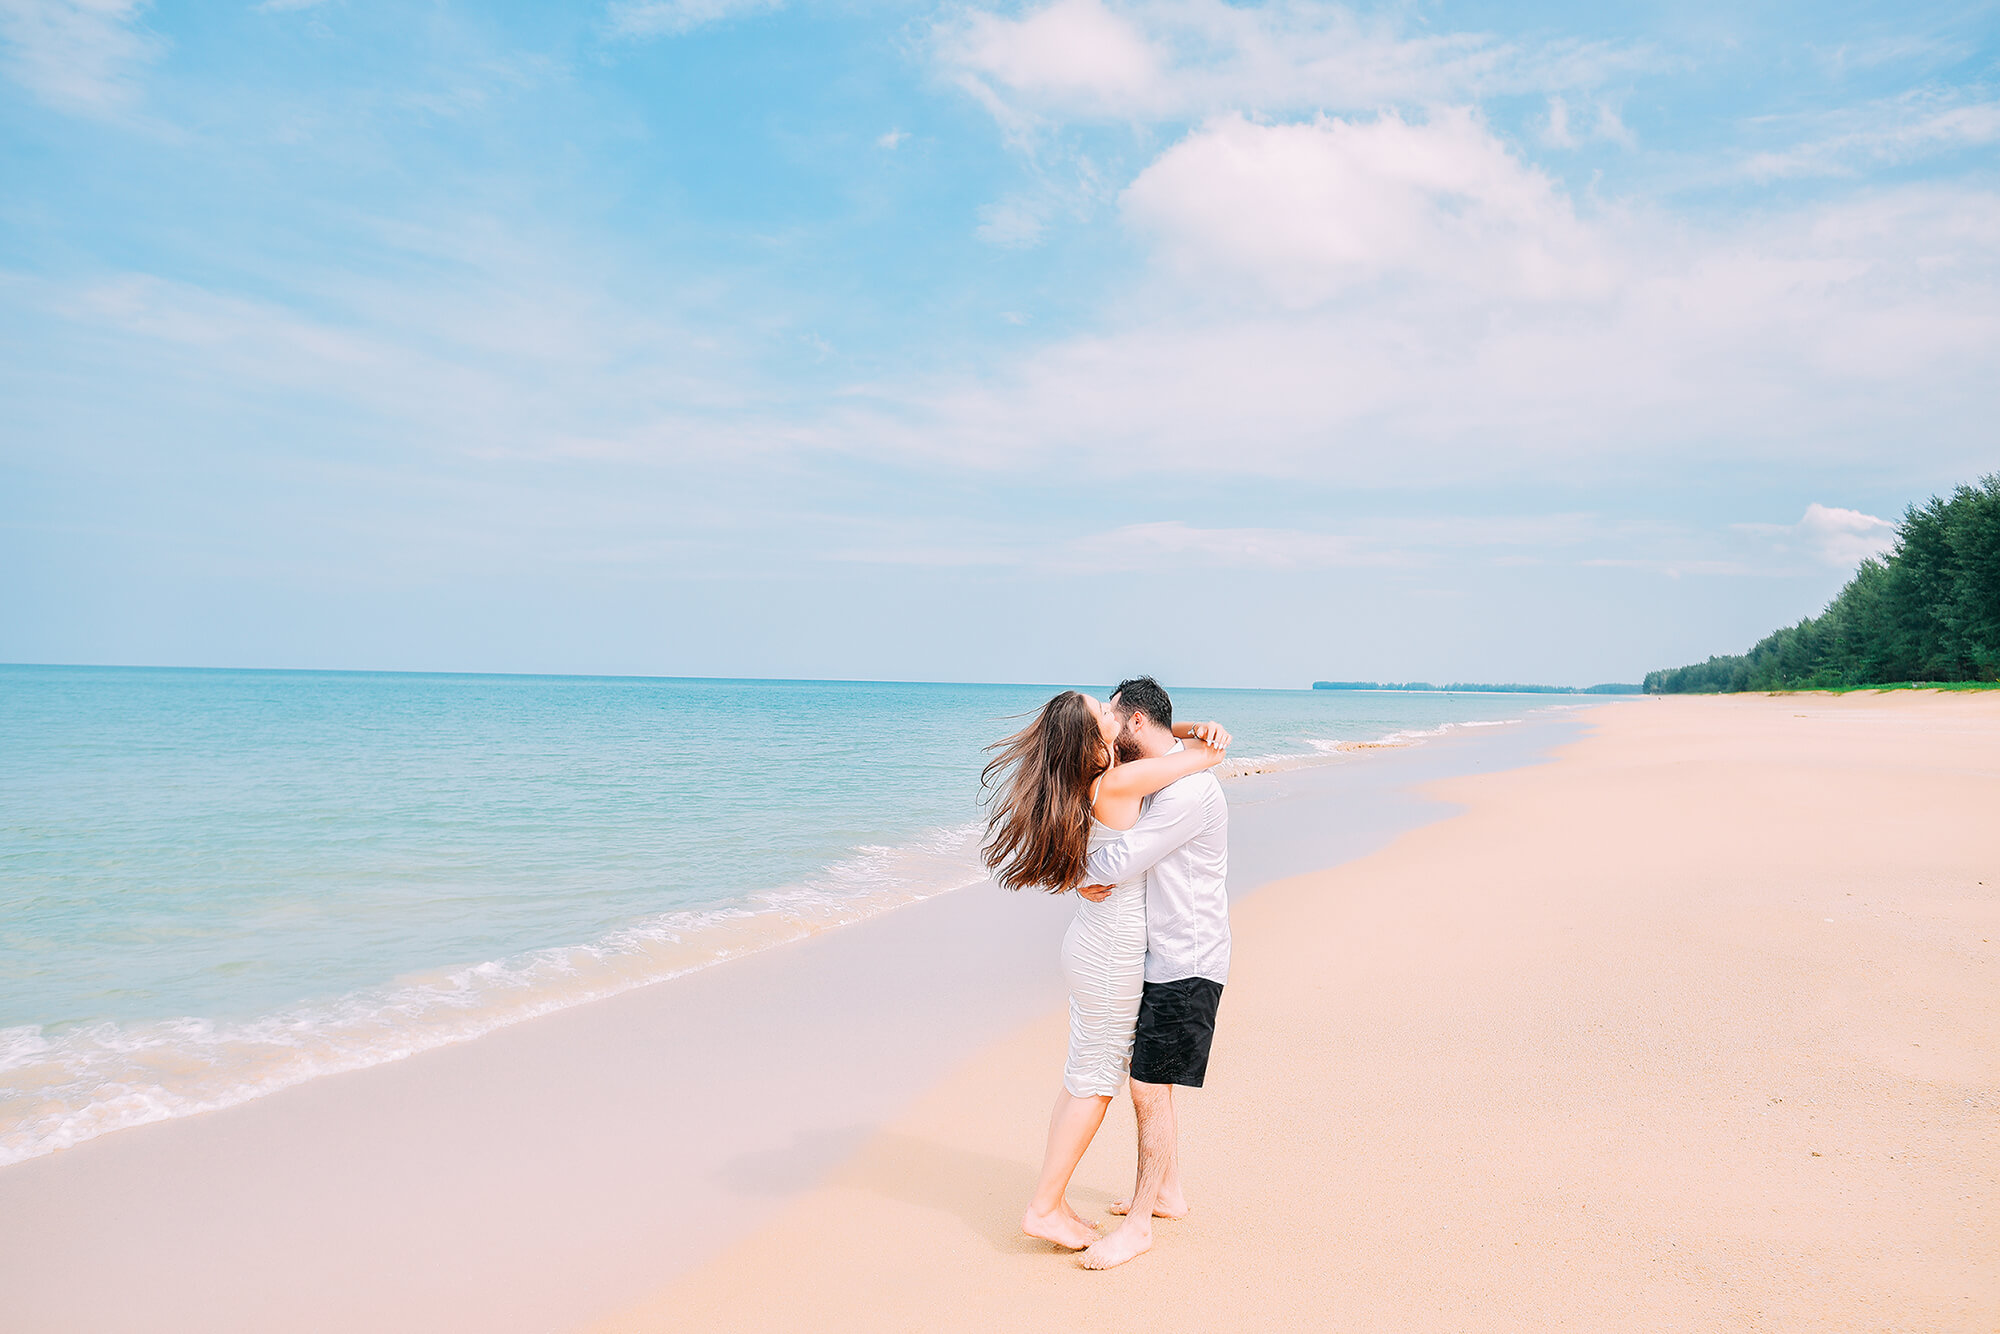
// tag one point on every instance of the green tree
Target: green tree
(1929, 611)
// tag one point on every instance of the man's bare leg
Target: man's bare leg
(1072, 1125)
(1154, 1104)
(1173, 1200)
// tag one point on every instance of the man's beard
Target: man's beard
(1128, 748)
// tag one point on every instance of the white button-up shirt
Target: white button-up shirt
(1181, 845)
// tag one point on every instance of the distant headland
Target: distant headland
(1467, 687)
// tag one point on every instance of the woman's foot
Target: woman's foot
(1059, 1226)
(1167, 1206)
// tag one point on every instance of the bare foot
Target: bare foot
(1117, 1248)
(1061, 1227)
(1166, 1206)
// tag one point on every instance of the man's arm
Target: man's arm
(1174, 818)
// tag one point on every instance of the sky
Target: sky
(1243, 344)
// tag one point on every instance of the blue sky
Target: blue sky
(1244, 344)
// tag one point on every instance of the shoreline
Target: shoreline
(189, 1065)
(1693, 1027)
(489, 1182)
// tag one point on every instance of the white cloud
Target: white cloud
(1611, 127)
(514, 356)
(1881, 133)
(1564, 128)
(1557, 132)
(1184, 59)
(1054, 64)
(80, 56)
(892, 140)
(1845, 537)
(659, 18)
(1073, 53)
(1375, 299)
(1306, 211)
(1165, 544)
(1409, 542)
(1156, 545)
(1838, 537)
(1895, 49)
(1015, 222)
(1387, 300)
(1674, 569)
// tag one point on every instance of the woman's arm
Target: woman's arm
(1142, 778)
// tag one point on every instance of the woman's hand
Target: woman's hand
(1199, 752)
(1095, 893)
(1213, 735)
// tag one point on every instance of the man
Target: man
(1181, 846)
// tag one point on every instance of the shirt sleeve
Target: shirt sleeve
(1173, 819)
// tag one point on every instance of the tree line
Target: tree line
(1927, 612)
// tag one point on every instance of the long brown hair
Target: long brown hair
(1038, 830)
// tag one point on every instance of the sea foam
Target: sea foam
(60, 1090)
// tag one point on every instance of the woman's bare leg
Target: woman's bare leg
(1072, 1125)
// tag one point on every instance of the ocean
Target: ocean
(216, 884)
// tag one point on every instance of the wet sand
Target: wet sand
(1696, 1028)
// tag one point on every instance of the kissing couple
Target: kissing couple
(1115, 801)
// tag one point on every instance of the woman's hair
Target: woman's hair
(1038, 830)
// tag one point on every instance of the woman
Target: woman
(1062, 791)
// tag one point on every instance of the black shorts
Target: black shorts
(1176, 1025)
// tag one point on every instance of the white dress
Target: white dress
(1104, 962)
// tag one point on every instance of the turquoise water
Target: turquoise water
(215, 883)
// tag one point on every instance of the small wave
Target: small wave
(60, 1090)
(1266, 764)
(1420, 735)
(1326, 750)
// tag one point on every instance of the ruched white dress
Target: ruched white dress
(1104, 962)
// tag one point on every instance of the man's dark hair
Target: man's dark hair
(1142, 694)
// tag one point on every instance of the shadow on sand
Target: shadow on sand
(984, 1191)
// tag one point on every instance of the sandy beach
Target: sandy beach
(1697, 1027)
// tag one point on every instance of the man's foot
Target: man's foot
(1167, 1206)
(1060, 1226)
(1116, 1249)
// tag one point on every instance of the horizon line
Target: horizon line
(1308, 688)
